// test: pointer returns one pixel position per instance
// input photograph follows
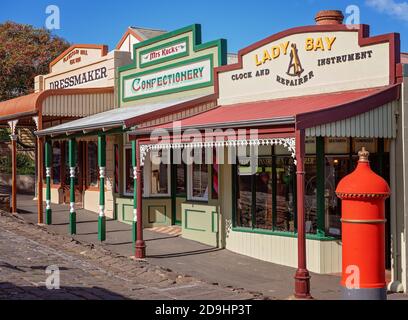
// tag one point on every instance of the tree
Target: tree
(25, 52)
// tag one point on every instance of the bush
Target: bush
(25, 165)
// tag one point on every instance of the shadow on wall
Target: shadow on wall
(9, 291)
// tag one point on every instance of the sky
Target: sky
(240, 22)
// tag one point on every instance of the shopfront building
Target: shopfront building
(314, 95)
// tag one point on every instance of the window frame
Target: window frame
(190, 196)
(147, 180)
(125, 193)
(87, 182)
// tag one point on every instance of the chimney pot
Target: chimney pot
(326, 17)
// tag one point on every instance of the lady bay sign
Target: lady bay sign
(306, 61)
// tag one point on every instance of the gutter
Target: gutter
(228, 125)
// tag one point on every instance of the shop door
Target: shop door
(79, 175)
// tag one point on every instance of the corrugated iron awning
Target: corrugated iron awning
(63, 103)
(121, 117)
(302, 112)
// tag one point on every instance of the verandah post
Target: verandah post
(302, 276)
(134, 224)
(48, 168)
(140, 244)
(102, 172)
(13, 138)
(72, 166)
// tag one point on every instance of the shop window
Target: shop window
(116, 171)
(92, 164)
(285, 194)
(159, 175)
(56, 163)
(198, 180)
(181, 189)
(310, 194)
(266, 193)
(337, 167)
(129, 179)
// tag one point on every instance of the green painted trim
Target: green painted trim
(168, 67)
(195, 29)
(162, 46)
(72, 152)
(320, 203)
(101, 228)
(48, 216)
(197, 47)
(185, 220)
(123, 211)
(234, 169)
(91, 134)
(284, 234)
(72, 223)
(173, 185)
(214, 225)
(157, 206)
(48, 153)
(102, 150)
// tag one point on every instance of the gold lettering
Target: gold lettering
(330, 42)
(319, 44)
(275, 52)
(257, 62)
(266, 56)
(284, 47)
(309, 44)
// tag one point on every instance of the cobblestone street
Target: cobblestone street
(88, 271)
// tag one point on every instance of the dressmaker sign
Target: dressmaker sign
(80, 66)
(306, 63)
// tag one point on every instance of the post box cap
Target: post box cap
(363, 182)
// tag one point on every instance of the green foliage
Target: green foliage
(25, 165)
(25, 52)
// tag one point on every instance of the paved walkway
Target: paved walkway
(38, 264)
(189, 257)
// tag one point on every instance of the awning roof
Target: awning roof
(121, 117)
(51, 102)
(304, 111)
(18, 107)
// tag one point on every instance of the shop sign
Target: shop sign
(187, 75)
(166, 52)
(302, 64)
(79, 79)
(337, 145)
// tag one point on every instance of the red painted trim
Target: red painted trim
(170, 110)
(363, 40)
(103, 48)
(351, 109)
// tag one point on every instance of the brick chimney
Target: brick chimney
(325, 17)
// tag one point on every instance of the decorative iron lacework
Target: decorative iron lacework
(288, 143)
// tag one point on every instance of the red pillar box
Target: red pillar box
(363, 195)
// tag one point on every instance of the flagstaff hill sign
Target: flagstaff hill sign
(169, 64)
(306, 61)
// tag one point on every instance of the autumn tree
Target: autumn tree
(25, 51)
